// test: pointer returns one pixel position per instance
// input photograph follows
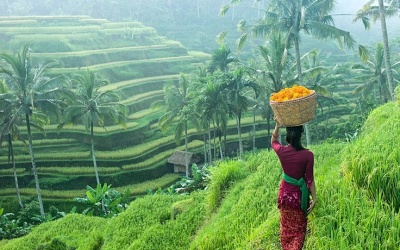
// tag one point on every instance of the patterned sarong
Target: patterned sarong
(292, 229)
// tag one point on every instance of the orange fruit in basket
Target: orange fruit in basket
(287, 94)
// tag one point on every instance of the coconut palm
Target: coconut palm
(293, 17)
(221, 58)
(199, 79)
(31, 91)
(275, 70)
(322, 79)
(374, 77)
(93, 107)
(177, 101)
(238, 84)
(9, 129)
(212, 106)
(369, 10)
(277, 62)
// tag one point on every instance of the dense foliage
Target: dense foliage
(234, 205)
(238, 210)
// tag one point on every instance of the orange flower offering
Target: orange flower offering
(287, 94)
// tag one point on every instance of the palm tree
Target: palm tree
(237, 85)
(293, 17)
(221, 58)
(275, 71)
(92, 107)
(9, 129)
(374, 77)
(322, 79)
(213, 107)
(277, 62)
(177, 101)
(380, 12)
(31, 90)
(199, 79)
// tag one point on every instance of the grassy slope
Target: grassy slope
(238, 211)
(77, 156)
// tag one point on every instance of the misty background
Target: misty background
(194, 23)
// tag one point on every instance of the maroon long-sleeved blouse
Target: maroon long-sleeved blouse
(295, 164)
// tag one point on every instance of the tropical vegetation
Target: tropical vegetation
(228, 203)
(91, 107)
(31, 91)
(238, 209)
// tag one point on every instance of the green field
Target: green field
(357, 206)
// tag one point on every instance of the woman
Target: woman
(293, 197)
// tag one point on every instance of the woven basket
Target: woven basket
(295, 112)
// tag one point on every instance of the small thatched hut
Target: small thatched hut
(178, 160)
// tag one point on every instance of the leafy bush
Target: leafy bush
(103, 201)
(10, 227)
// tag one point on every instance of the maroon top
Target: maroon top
(295, 164)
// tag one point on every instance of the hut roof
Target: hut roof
(178, 158)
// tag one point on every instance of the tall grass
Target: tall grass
(374, 160)
(345, 217)
(238, 210)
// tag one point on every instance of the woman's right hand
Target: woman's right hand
(277, 124)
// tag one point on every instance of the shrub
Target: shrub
(10, 227)
(104, 201)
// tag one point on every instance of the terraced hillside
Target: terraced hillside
(137, 62)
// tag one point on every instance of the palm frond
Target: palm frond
(241, 41)
(241, 26)
(363, 53)
(221, 37)
(223, 10)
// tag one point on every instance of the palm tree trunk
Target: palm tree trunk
(93, 155)
(35, 175)
(300, 77)
(219, 134)
(95, 163)
(386, 49)
(254, 128)
(269, 130)
(240, 137)
(298, 60)
(205, 147)
(214, 143)
(220, 148)
(186, 151)
(11, 151)
(209, 146)
(225, 143)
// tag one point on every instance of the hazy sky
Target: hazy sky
(357, 29)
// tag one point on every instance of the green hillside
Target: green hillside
(357, 208)
(137, 62)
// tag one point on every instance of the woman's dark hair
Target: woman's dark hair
(293, 136)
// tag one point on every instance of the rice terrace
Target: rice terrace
(147, 124)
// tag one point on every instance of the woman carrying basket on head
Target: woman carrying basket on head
(294, 190)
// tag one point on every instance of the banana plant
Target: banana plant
(103, 201)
